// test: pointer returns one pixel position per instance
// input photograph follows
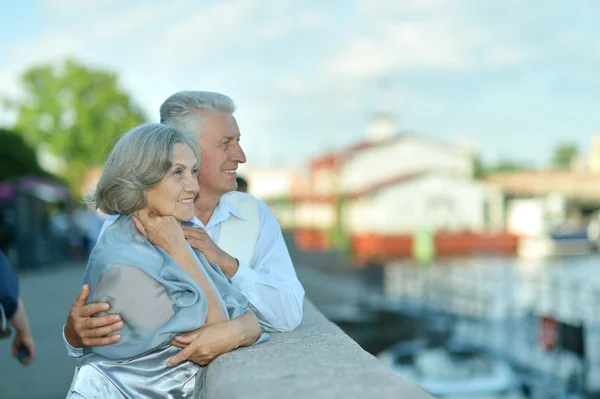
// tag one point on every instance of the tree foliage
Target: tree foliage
(76, 111)
(17, 158)
(564, 154)
(506, 166)
(481, 170)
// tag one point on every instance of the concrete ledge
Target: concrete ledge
(317, 360)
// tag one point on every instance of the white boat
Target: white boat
(545, 246)
(453, 372)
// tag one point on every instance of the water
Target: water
(496, 302)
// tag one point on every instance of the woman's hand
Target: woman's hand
(162, 231)
(210, 341)
(165, 232)
(205, 344)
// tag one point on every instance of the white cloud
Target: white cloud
(398, 46)
(68, 7)
(391, 37)
(43, 48)
(303, 67)
(295, 85)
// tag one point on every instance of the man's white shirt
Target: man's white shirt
(269, 281)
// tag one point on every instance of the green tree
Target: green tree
(17, 158)
(564, 154)
(77, 112)
(506, 166)
(479, 169)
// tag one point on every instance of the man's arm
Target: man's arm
(84, 330)
(23, 339)
(271, 284)
(12, 306)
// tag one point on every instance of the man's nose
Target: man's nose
(238, 155)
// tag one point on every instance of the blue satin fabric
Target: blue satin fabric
(135, 367)
(145, 376)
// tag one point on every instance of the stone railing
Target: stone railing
(317, 360)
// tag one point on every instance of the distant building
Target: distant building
(396, 184)
(554, 211)
(594, 155)
(391, 186)
(277, 186)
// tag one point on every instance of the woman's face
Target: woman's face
(174, 195)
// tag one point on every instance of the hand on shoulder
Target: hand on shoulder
(162, 231)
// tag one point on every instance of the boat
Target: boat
(556, 243)
(453, 371)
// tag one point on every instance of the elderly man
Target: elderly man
(250, 250)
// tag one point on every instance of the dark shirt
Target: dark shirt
(9, 287)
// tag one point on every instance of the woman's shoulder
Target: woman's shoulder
(122, 244)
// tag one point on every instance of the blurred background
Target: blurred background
(434, 164)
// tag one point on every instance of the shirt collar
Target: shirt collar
(222, 211)
(195, 222)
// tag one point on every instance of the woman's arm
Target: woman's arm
(165, 232)
(203, 345)
(152, 308)
(140, 300)
(248, 329)
(187, 260)
(87, 326)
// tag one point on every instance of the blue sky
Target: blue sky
(514, 77)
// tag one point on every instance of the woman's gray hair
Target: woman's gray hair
(138, 162)
(181, 108)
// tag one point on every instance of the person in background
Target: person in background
(242, 184)
(12, 310)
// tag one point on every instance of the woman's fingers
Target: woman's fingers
(139, 226)
(182, 356)
(185, 338)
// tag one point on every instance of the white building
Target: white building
(432, 200)
(396, 184)
(276, 186)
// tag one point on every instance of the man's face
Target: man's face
(221, 154)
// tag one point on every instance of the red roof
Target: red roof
(333, 159)
(386, 183)
(329, 198)
(328, 160)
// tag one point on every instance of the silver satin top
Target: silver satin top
(157, 300)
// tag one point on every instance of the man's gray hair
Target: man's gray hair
(181, 109)
(138, 162)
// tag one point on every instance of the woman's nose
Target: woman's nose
(191, 184)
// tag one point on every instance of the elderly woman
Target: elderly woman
(154, 279)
